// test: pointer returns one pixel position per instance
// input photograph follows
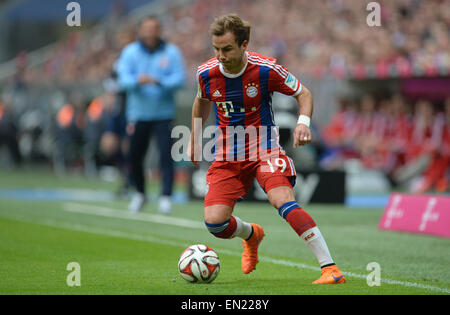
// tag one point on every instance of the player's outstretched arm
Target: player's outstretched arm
(200, 113)
(302, 133)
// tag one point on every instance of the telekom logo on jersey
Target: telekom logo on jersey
(230, 143)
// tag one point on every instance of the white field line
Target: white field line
(120, 214)
(114, 213)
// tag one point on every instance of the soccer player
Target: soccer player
(240, 84)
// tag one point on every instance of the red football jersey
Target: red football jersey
(243, 105)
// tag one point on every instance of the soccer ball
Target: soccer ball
(199, 264)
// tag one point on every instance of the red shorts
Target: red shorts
(227, 182)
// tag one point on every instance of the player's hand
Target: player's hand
(145, 79)
(130, 129)
(302, 135)
(191, 150)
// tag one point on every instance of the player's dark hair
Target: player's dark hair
(231, 23)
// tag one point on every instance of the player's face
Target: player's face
(228, 52)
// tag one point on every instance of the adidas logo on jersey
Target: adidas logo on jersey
(217, 93)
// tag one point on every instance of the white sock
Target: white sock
(243, 229)
(314, 240)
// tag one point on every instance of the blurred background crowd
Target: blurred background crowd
(407, 143)
(389, 85)
(316, 38)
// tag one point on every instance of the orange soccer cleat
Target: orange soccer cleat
(250, 254)
(330, 275)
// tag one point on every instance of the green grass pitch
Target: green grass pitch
(119, 253)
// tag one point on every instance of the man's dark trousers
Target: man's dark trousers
(139, 142)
